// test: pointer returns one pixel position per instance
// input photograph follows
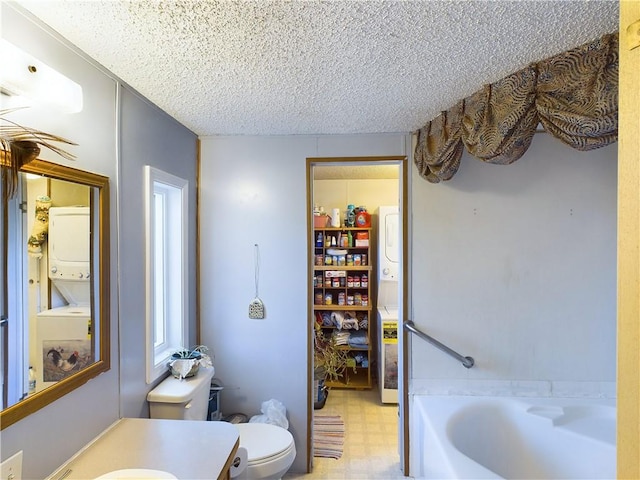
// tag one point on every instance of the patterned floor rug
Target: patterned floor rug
(328, 436)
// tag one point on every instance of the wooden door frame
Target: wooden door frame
(403, 185)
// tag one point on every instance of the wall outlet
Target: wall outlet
(11, 468)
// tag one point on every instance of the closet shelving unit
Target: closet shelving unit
(338, 288)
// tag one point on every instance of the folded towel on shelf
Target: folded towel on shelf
(337, 318)
(326, 319)
(357, 339)
(341, 338)
(350, 324)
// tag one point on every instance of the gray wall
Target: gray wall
(148, 137)
(516, 266)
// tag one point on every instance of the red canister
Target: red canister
(363, 219)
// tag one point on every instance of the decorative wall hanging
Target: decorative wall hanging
(573, 95)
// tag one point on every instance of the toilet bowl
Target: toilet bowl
(270, 449)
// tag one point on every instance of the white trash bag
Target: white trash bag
(274, 413)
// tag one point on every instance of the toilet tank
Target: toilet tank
(186, 399)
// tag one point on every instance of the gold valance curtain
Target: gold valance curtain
(574, 95)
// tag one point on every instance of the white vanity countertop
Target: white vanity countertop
(188, 449)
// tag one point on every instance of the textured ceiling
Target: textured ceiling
(318, 67)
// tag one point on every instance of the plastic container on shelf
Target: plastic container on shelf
(363, 218)
(350, 217)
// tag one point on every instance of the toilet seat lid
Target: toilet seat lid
(263, 440)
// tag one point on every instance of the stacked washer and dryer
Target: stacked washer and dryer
(63, 333)
(387, 302)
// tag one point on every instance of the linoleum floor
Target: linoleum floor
(370, 443)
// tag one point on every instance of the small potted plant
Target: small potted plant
(186, 362)
(329, 363)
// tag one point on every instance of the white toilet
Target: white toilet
(270, 449)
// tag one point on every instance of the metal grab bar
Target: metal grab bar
(467, 362)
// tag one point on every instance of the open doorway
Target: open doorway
(370, 395)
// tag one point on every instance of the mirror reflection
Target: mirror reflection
(56, 330)
(58, 276)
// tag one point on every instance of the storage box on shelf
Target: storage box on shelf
(342, 297)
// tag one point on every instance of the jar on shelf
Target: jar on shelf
(344, 240)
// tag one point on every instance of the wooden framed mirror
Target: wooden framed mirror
(55, 293)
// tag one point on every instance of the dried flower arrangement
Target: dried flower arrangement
(23, 146)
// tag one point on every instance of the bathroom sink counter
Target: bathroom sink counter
(188, 449)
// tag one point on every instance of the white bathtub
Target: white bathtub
(474, 437)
